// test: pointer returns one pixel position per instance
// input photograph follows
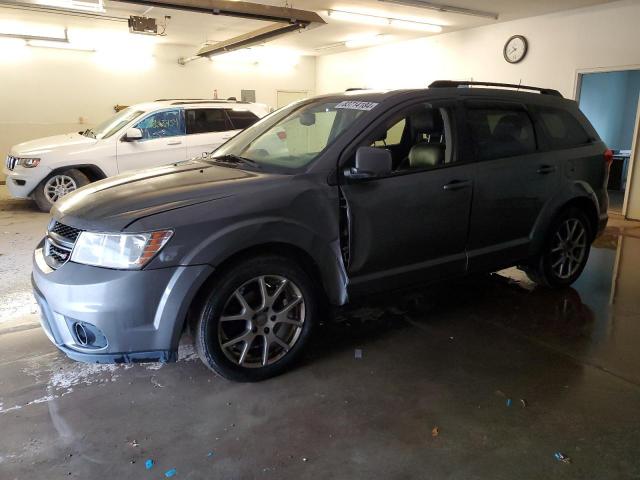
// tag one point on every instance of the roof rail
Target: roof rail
(174, 99)
(457, 84)
(189, 102)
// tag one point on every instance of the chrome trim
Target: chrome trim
(11, 162)
(61, 241)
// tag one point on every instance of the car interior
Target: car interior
(419, 139)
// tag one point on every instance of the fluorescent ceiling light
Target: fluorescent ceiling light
(366, 41)
(96, 6)
(358, 18)
(409, 25)
(440, 7)
(58, 45)
(384, 21)
(24, 36)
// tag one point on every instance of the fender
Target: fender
(264, 231)
(577, 190)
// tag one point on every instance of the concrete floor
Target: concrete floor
(448, 357)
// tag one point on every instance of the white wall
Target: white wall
(561, 44)
(47, 91)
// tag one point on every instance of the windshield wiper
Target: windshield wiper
(230, 159)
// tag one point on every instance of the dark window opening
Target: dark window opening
(563, 129)
(242, 119)
(501, 132)
(206, 120)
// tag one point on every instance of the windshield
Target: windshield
(112, 125)
(294, 136)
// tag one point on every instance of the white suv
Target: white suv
(140, 136)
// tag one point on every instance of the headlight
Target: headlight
(119, 250)
(28, 162)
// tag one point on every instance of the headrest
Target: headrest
(425, 155)
(509, 125)
(427, 121)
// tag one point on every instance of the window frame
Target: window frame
(149, 114)
(495, 104)
(459, 152)
(227, 120)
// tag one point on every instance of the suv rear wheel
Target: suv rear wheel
(565, 252)
(257, 319)
(57, 185)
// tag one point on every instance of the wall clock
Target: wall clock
(515, 49)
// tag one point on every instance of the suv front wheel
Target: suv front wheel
(565, 252)
(257, 319)
(57, 185)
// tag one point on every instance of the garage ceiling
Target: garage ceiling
(195, 29)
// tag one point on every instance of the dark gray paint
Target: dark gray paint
(402, 229)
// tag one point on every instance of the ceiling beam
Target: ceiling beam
(241, 9)
(284, 20)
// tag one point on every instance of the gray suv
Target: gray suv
(320, 201)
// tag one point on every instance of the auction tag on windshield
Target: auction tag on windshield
(355, 105)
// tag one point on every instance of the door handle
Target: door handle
(456, 185)
(174, 143)
(544, 169)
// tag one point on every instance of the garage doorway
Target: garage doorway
(610, 101)
(285, 97)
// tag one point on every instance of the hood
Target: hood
(42, 146)
(114, 203)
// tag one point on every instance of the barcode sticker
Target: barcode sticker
(355, 105)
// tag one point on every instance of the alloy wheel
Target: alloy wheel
(569, 248)
(261, 321)
(58, 186)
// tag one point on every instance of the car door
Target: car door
(513, 181)
(207, 129)
(411, 226)
(162, 142)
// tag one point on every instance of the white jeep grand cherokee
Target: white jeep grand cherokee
(141, 136)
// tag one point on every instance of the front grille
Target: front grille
(11, 162)
(59, 244)
(65, 231)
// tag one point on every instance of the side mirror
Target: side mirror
(370, 163)
(133, 134)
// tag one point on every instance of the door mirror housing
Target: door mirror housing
(370, 163)
(133, 134)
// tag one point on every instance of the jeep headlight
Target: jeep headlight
(28, 162)
(129, 251)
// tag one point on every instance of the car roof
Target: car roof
(510, 93)
(186, 103)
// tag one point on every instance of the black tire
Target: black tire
(210, 332)
(43, 200)
(544, 268)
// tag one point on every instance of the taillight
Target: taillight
(608, 157)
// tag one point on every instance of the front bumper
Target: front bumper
(21, 182)
(136, 315)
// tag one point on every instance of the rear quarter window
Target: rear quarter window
(562, 128)
(242, 119)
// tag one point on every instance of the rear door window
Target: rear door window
(501, 131)
(242, 119)
(562, 128)
(206, 120)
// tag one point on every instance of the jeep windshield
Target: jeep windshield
(293, 137)
(113, 124)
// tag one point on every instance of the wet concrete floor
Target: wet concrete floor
(449, 356)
